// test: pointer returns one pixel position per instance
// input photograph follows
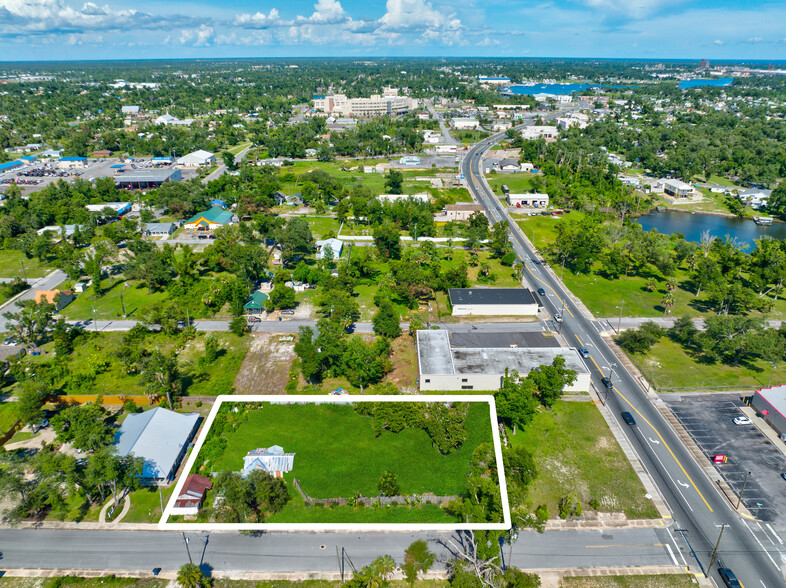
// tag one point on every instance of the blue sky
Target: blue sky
(657, 29)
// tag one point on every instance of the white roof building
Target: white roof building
(197, 159)
(272, 460)
(390, 198)
(539, 131)
(335, 245)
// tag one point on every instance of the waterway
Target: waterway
(547, 89)
(696, 83)
(693, 225)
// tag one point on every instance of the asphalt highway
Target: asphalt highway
(757, 556)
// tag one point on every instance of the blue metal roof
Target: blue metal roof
(73, 158)
(157, 436)
(10, 165)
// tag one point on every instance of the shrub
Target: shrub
(542, 513)
(594, 504)
(569, 506)
(640, 340)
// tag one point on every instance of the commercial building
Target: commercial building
(209, 220)
(539, 132)
(11, 165)
(533, 200)
(446, 148)
(170, 121)
(493, 80)
(457, 212)
(119, 207)
(146, 179)
(509, 165)
(72, 162)
(129, 110)
(391, 198)
(492, 302)
(443, 366)
(464, 123)
(160, 437)
(158, 229)
(770, 403)
(388, 103)
(197, 159)
(335, 246)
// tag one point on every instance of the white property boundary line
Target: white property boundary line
(164, 525)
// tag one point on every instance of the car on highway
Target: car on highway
(729, 578)
(558, 317)
(628, 418)
(743, 420)
(541, 291)
(584, 352)
(606, 382)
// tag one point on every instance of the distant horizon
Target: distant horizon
(80, 30)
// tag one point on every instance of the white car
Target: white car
(558, 317)
(743, 420)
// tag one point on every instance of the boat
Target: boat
(763, 220)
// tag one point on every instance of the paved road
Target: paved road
(293, 552)
(221, 170)
(448, 138)
(696, 505)
(49, 282)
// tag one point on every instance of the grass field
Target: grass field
(575, 451)
(146, 504)
(354, 459)
(72, 581)
(11, 265)
(518, 183)
(8, 415)
(321, 226)
(238, 148)
(109, 307)
(678, 370)
(650, 581)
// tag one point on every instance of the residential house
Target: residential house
(509, 165)
(272, 460)
(335, 245)
(65, 298)
(457, 212)
(191, 497)
(255, 303)
(158, 229)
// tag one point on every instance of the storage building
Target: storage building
(770, 403)
(528, 200)
(492, 302)
(197, 159)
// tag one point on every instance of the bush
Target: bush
(542, 513)
(388, 484)
(640, 340)
(130, 406)
(238, 326)
(594, 504)
(569, 506)
(683, 331)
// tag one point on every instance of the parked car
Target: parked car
(288, 312)
(541, 291)
(729, 578)
(253, 319)
(584, 351)
(743, 420)
(628, 418)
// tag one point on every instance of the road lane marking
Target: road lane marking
(666, 445)
(767, 553)
(552, 289)
(682, 557)
(774, 533)
(625, 545)
(671, 553)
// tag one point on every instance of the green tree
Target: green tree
(296, 240)
(417, 559)
(388, 240)
(31, 396)
(31, 322)
(388, 484)
(84, 426)
(238, 326)
(229, 160)
(280, 297)
(161, 376)
(190, 576)
(386, 320)
(394, 182)
(211, 350)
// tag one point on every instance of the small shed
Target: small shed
(191, 497)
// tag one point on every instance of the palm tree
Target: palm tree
(650, 285)
(668, 302)
(190, 576)
(671, 284)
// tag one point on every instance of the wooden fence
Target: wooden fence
(117, 400)
(414, 499)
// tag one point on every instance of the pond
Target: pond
(684, 85)
(693, 225)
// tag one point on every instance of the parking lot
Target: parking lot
(708, 420)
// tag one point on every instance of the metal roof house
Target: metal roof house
(160, 437)
(336, 245)
(190, 499)
(492, 302)
(255, 303)
(272, 460)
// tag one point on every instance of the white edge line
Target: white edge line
(682, 557)
(671, 553)
(348, 399)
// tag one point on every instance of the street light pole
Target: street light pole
(619, 322)
(24, 271)
(95, 324)
(188, 551)
(652, 375)
(715, 551)
(744, 483)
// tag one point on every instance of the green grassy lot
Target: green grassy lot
(146, 504)
(21, 436)
(679, 370)
(97, 358)
(109, 307)
(321, 226)
(354, 459)
(8, 415)
(98, 582)
(238, 148)
(518, 183)
(11, 265)
(575, 451)
(651, 581)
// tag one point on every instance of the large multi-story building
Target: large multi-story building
(388, 103)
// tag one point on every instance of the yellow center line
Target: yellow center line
(666, 445)
(625, 545)
(550, 288)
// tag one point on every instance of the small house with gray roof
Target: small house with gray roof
(272, 460)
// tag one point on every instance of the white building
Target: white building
(755, 197)
(492, 302)
(501, 125)
(335, 245)
(533, 200)
(197, 159)
(532, 132)
(464, 124)
(677, 189)
(388, 103)
(171, 121)
(442, 366)
(446, 148)
(526, 167)
(119, 207)
(494, 81)
(272, 460)
(457, 212)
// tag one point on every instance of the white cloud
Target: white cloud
(755, 40)
(632, 9)
(718, 42)
(258, 20)
(197, 37)
(328, 11)
(405, 15)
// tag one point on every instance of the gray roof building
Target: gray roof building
(160, 437)
(491, 296)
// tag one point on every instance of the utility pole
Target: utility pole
(188, 551)
(715, 551)
(563, 268)
(24, 271)
(619, 322)
(562, 317)
(95, 324)
(652, 375)
(744, 483)
(122, 303)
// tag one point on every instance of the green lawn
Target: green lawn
(75, 582)
(238, 148)
(575, 451)
(649, 581)
(108, 306)
(146, 504)
(321, 226)
(680, 371)
(8, 415)
(11, 265)
(353, 460)
(518, 183)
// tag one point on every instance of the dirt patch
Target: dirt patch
(405, 365)
(265, 369)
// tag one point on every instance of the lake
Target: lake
(693, 225)
(696, 83)
(547, 89)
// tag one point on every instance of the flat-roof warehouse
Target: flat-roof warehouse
(442, 366)
(145, 179)
(770, 403)
(493, 301)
